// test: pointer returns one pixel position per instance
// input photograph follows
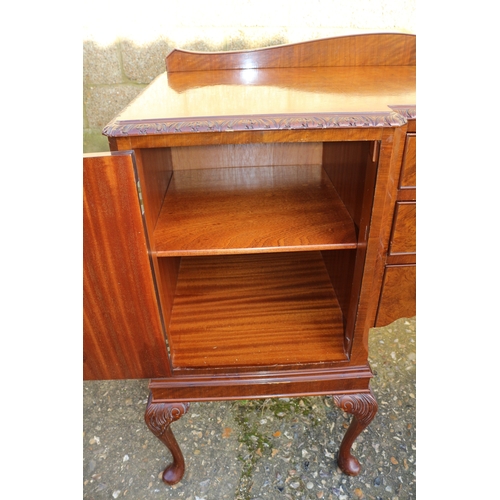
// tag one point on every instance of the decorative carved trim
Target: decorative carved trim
(290, 122)
(160, 415)
(158, 418)
(408, 112)
(363, 406)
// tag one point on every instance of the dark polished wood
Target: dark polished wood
(404, 237)
(122, 332)
(353, 81)
(398, 296)
(279, 192)
(363, 407)
(249, 210)
(289, 99)
(255, 310)
(409, 168)
(390, 49)
(158, 418)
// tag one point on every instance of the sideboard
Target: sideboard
(254, 219)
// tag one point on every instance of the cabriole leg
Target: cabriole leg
(158, 418)
(363, 407)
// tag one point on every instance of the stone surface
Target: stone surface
(142, 63)
(101, 64)
(103, 103)
(264, 449)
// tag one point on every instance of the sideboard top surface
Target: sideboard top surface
(270, 98)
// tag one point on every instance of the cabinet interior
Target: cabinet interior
(258, 250)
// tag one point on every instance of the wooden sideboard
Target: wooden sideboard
(254, 219)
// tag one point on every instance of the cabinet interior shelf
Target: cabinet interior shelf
(244, 210)
(255, 310)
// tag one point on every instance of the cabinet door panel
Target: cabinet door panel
(122, 333)
(398, 298)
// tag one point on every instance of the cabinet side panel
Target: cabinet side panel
(345, 164)
(167, 272)
(340, 265)
(388, 173)
(122, 335)
(155, 170)
(352, 168)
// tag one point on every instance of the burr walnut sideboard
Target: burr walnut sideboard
(254, 219)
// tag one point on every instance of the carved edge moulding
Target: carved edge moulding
(290, 122)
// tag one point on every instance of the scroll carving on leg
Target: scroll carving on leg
(158, 418)
(363, 407)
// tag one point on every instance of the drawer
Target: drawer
(398, 297)
(403, 237)
(409, 167)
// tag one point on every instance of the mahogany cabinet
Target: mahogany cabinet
(398, 294)
(255, 218)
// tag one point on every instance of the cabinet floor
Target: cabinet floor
(255, 310)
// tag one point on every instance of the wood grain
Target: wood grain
(138, 142)
(384, 194)
(122, 333)
(250, 210)
(398, 297)
(261, 384)
(409, 167)
(285, 99)
(404, 235)
(356, 50)
(246, 155)
(345, 164)
(255, 310)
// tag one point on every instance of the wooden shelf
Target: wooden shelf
(252, 210)
(255, 310)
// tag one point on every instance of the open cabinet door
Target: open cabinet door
(123, 336)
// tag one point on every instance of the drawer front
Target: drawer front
(403, 238)
(398, 298)
(409, 167)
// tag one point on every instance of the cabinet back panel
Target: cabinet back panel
(246, 155)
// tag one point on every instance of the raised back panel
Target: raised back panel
(386, 49)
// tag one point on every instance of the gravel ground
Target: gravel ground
(265, 449)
